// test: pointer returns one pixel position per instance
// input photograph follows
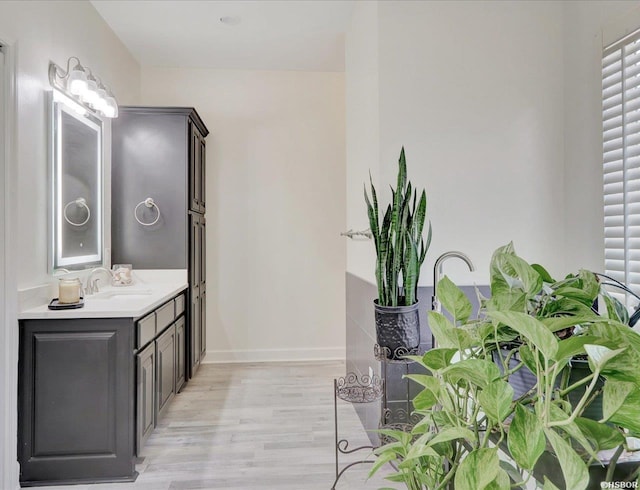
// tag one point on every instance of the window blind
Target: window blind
(621, 160)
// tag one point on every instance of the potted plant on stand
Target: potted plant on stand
(476, 433)
(400, 252)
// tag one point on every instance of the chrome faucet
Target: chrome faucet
(92, 283)
(437, 274)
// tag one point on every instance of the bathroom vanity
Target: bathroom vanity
(95, 381)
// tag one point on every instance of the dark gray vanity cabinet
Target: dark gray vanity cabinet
(145, 394)
(92, 390)
(76, 404)
(160, 360)
(160, 152)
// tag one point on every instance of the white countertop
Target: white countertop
(150, 290)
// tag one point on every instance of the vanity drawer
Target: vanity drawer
(146, 330)
(164, 316)
(179, 305)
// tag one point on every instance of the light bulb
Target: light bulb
(111, 108)
(90, 95)
(101, 102)
(77, 81)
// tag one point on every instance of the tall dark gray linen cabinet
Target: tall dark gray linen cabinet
(159, 153)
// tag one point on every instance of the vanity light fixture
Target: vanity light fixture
(81, 85)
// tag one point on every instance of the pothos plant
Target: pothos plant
(400, 247)
(469, 412)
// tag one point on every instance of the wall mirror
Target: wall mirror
(76, 185)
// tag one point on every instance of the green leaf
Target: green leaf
(582, 288)
(526, 438)
(613, 396)
(623, 367)
(451, 336)
(438, 358)
(568, 306)
(442, 329)
(507, 301)
(425, 400)
(627, 415)
(574, 470)
(398, 435)
(451, 434)
(571, 428)
(454, 300)
(560, 323)
(477, 470)
(590, 284)
(528, 358)
(499, 283)
(529, 328)
(573, 346)
(501, 482)
(424, 380)
(615, 309)
(546, 277)
(531, 280)
(479, 372)
(424, 445)
(603, 436)
(418, 451)
(496, 399)
(381, 461)
(600, 355)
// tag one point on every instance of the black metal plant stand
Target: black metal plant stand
(399, 417)
(365, 389)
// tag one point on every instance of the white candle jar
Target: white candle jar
(69, 291)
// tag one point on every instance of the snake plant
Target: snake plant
(399, 242)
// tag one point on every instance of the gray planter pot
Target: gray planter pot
(397, 328)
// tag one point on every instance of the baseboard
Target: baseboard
(274, 355)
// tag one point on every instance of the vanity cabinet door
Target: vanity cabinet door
(75, 395)
(195, 251)
(166, 370)
(181, 351)
(145, 395)
(196, 334)
(203, 324)
(202, 265)
(196, 170)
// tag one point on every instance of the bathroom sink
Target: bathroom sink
(122, 294)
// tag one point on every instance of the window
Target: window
(621, 159)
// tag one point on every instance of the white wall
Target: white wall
(588, 27)
(474, 92)
(363, 125)
(40, 31)
(275, 208)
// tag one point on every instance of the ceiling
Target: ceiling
(261, 34)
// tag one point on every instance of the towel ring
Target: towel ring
(148, 202)
(81, 202)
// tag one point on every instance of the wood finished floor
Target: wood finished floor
(252, 426)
